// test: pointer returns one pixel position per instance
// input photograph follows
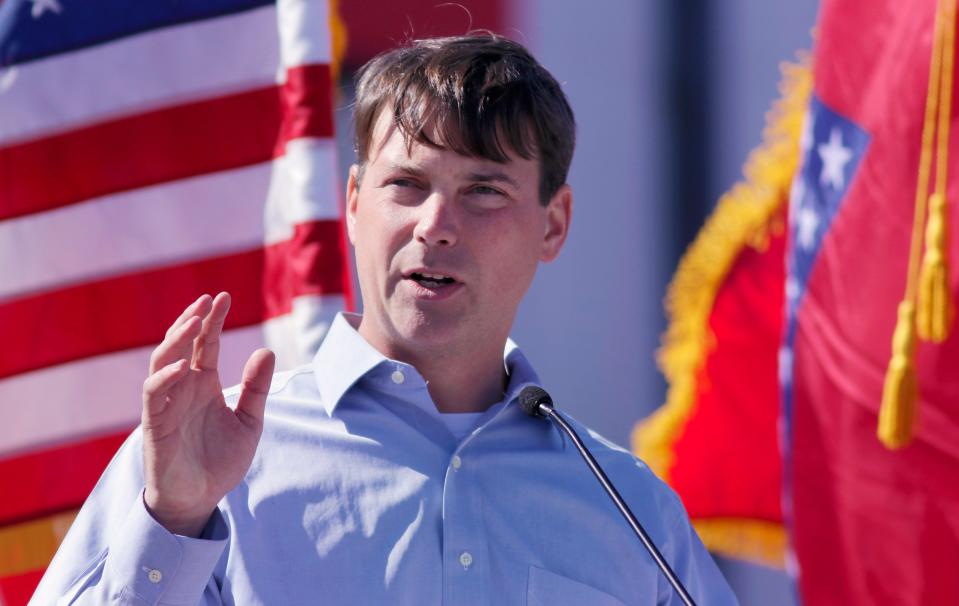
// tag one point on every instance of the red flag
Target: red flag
(147, 157)
(869, 525)
(715, 439)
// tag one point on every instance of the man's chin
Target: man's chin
(431, 332)
(429, 328)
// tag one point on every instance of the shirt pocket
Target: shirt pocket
(547, 588)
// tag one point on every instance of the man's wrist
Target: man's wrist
(187, 523)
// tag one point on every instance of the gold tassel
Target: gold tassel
(901, 390)
(927, 281)
(935, 311)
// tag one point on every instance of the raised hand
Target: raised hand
(195, 447)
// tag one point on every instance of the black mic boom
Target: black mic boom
(536, 403)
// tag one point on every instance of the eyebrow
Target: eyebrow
(406, 168)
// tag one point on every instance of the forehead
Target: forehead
(388, 144)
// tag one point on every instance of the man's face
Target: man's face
(446, 244)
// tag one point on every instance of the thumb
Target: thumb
(254, 387)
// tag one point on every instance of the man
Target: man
(397, 468)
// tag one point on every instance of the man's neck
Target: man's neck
(470, 378)
(464, 384)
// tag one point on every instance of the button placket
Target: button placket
(466, 572)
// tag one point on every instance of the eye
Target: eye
(402, 182)
(486, 190)
(485, 198)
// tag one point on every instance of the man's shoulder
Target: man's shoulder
(601, 446)
(298, 382)
(631, 475)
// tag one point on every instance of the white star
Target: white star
(834, 159)
(792, 288)
(806, 136)
(785, 365)
(806, 226)
(796, 195)
(41, 6)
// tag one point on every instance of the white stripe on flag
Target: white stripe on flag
(95, 395)
(304, 32)
(296, 336)
(147, 71)
(304, 187)
(180, 221)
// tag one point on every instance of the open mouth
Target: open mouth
(431, 280)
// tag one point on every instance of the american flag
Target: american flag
(149, 152)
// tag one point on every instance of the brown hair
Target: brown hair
(480, 94)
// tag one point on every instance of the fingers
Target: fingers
(180, 334)
(200, 307)
(255, 386)
(177, 346)
(193, 322)
(207, 347)
(159, 384)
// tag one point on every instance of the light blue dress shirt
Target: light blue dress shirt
(359, 494)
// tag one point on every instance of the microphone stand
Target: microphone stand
(544, 409)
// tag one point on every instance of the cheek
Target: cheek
(512, 255)
(380, 232)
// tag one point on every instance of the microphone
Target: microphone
(536, 403)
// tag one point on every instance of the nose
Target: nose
(436, 221)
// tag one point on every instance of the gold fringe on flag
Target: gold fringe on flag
(759, 541)
(340, 39)
(744, 216)
(927, 306)
(29, 546)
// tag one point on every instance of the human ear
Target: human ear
(352, 198)
(559, 213)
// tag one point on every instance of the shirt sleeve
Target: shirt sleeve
(693, 564)
(116, 553)
(146, 564)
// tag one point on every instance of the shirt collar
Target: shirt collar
(520, 371)
(344, 357)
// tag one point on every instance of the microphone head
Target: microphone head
(530, 399)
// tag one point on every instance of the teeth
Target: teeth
(434, 277)
(431, 280)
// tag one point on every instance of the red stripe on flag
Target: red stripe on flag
(135, 310)
(312, 262)
(307, 98)
(136, 151)
(163, 145)
(16, 590)
(55, 479)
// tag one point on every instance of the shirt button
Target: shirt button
(457, 462)
(397, 377)
(466, 559)
(155, 576)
